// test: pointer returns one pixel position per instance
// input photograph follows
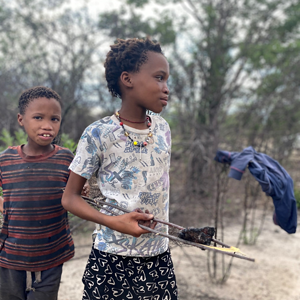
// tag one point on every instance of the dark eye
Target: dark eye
(160, 78)
(55, 119)
(37, 117)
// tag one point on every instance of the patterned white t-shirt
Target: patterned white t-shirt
(129, 176)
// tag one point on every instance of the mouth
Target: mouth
(164, 101)
(46, 135)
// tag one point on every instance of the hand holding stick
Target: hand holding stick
(228, 250)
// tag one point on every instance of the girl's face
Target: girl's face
(41, 121)
(150, 88)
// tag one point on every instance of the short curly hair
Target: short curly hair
(34, 93)
(126, 55)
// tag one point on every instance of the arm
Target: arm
(1, 204)
(126, 223)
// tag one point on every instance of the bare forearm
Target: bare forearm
(127, 223)
(72, 201)
(77, 206)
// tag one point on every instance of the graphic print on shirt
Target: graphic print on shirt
(133, 177)
(149, 198)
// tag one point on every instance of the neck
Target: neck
(137, 118)
(135, 114)
(35, 151)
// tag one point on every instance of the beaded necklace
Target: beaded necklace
(135, 143)
(133, 121)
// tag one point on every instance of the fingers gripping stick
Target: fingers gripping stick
(197, 237)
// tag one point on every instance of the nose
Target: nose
(166, 89)
(47, 125)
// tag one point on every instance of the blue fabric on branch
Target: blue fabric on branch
(273, 178)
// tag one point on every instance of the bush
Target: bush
(68, 142)
(20, 137)
(297, 197)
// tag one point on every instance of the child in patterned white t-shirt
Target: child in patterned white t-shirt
(130, 154)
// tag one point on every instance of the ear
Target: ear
(125, 79)
(20, 119)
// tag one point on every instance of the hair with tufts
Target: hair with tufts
(126, 55)
(34, 93)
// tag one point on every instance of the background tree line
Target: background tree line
(234, 83)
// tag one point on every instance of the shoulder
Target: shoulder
(13, 150)
(62, 149)
(63, 152)
(105, 123)
(160, 121)
(9, 157)
(162, 129)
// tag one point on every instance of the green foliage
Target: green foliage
(250, 237)
(297, 197)
(7, 140)
(138, 3)
(20, 137)
(67, 142)
(228, 201)
(1, 192)
(128, 23)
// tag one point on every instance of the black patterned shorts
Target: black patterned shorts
(109, 276)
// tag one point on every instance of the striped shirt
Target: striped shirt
(35, 235)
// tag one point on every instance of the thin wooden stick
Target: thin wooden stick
(128, 211)
(201, 246)
(154, 219)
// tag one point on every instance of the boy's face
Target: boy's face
(150, 88)
(41, 121)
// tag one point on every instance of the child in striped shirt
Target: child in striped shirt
(35, 239)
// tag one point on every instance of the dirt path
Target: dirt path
(274, 276)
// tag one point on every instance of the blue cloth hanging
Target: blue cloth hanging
(273, 178)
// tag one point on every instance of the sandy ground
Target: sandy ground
(275, 274)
